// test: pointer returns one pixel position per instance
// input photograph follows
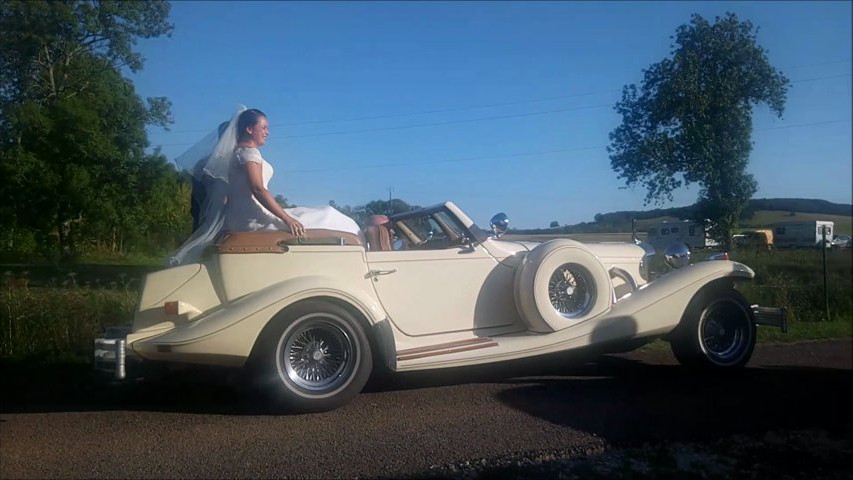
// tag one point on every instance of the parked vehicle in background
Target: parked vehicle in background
(754, 239)
(842, 241)
(692, 234)
(802, 234)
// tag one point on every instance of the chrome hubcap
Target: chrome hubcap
(317, 356)
(571, 290)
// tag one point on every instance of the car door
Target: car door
(448, 289)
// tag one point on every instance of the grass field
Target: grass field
(764, 218)
(761, 219)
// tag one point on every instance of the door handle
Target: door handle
(378, 272)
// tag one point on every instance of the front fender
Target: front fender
(226, 336)
(658, 306)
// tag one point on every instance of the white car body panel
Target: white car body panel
(463, 294)
(422, 308)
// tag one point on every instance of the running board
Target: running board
(446, 348)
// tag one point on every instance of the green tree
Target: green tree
(72, 128)
(691, 120)
(555, 224)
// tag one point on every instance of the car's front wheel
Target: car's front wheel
(316, 357)
(717, 331)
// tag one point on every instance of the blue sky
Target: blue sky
(498, 106)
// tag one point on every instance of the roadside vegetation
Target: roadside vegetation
(57, 322)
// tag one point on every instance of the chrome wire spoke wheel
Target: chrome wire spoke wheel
(317, 355)
(571, 290)
(725, 331)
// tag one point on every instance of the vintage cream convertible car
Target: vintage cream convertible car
(427, 289)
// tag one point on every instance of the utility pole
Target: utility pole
(634, 230)
(825, 290)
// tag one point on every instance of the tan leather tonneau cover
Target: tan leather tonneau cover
(275, 241)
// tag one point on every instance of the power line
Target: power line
(821, 78)
(430, 124)
(802, 125)
(831, 62)
(470, 120)
(444, 110)
(423, 112)
(518, 155)
(479, 119)
(494, 117)
(491, 105)
(450, 122)
(455, 160)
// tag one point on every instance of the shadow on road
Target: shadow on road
(624, 401)
(617, 398)
(77, 388)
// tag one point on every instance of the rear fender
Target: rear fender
(658, 307)
(226, 336)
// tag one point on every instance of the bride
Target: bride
(237, 198)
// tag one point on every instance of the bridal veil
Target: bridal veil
(208, 161)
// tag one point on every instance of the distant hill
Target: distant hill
(759, 212)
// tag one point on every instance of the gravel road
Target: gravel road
(59, 423)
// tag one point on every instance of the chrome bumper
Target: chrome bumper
(110, 354)
(771, 316)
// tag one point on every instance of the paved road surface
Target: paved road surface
(61, 424)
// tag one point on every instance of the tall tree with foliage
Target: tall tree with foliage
(691, 120)
(72, 128)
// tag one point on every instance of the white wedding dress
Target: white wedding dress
(229, 203)
(243, 212)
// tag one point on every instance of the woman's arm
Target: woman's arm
(256, 183)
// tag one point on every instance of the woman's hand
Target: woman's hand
(296, 228)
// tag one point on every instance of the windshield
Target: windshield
(432, 229)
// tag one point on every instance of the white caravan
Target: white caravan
(802, 234)
(664, 234)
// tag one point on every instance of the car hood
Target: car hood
(604, 250)
(511, 247)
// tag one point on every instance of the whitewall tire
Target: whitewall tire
(560, 284)
(315, 357)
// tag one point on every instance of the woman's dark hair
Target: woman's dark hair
(247, 119)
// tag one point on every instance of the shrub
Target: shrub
(47, 323)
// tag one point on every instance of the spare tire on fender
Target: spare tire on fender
(560, 284)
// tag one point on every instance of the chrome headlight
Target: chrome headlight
(499, 224)
(677, 255)
(646, 261)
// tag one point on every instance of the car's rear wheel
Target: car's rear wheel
(717, 331)
(316, 357)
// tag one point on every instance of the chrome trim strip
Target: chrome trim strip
(446, 352)
(444, 346)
